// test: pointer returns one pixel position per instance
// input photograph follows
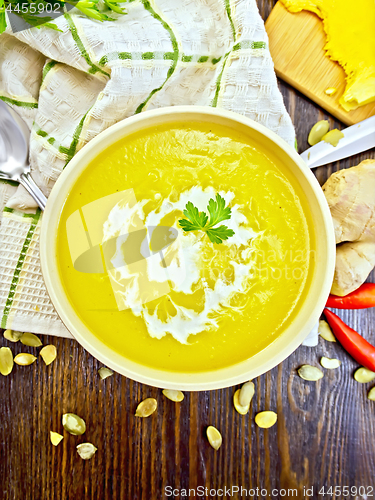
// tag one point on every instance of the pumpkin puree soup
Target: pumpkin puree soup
(191, 305)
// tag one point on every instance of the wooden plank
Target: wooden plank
(297, 47)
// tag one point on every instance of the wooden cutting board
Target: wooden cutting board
(296, 44)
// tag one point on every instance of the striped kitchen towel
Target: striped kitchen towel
(71, 85)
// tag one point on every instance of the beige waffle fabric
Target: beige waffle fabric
(71, 85)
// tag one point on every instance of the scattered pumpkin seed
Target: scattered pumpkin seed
(12, 336)
(317, 132)
(30, 340)
(242, 410)
(176, 396)
(73, 424)
(48, 354)
(311, 373)
(266, 419)
(105, 372)
(371, 394)
(363, 375)
(24, 359)
(6, 361)
(146, 408)
(330, 363)
(330, 91)
(214, 437)
(246, 394)
(325, 331)
(55, 438)
(333, 137)
(86, 450)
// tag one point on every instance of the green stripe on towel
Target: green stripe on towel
(71, 151)
(218, 81)
(73, 29)
(175, 56)
(12, 183)
(21, 104)
(246, 44)
(16, 276)
(47, 68)
(157, 56)
(229, 14)
(18, 212)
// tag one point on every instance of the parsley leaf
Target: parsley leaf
(217, 210)
(197, 221)
(218, 234)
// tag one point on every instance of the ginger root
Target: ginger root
(351, 198)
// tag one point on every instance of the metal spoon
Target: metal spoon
(14, 153)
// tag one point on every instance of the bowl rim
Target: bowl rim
(194, 381)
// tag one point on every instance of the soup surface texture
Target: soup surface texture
(192, 305)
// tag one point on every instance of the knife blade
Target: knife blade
(357, 138)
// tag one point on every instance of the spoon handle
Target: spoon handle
(28, 183)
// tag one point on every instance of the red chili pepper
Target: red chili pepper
(361, 350)
(361, 298)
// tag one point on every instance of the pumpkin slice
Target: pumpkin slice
(350, 29)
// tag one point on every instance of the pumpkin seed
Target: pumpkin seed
(317, 132)
(24, 359)
(214, 437)
(48, 354)
(330, 363)
(86, 450)
(12, 336)
(55, 438)
(363, 375)
(30, 340)
(246, 394)
(242, 410)
(311, 373)
(73, 424)
(176, 396)
(371, 394)
(146, 408)
(6, 361)
(105, 372)
(333, 137)
(266, 419)
(330, 91)
(325, 331)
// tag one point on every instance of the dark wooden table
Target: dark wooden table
(325, 434)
